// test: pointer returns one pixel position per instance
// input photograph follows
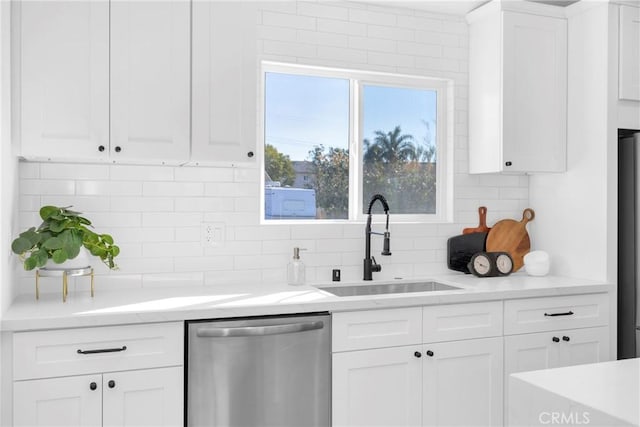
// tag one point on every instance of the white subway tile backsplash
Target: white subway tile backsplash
(47, 187)
(171, 219)
(200, 174)
(173, 249)
(391, 33)
(141, 173)
(341, 27)
(371, 17)
(323, 10)
(288, 20)
(175, 189)
(156, 213)
(203, 263)
(342, 54)
(370, 43)
(326, 39)
(139, 204)
(78, 171)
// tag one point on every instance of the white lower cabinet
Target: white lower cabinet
(555, 349)
(68, 401)
(419, 384)
(462, 383)
(378, 387)
(104, 376)
(150, 397)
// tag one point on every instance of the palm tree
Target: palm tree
(390, 147)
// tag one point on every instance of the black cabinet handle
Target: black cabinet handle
(429, 353)
(103, 350)
(250, 154)
(568, 313)
(93, 386)
(508, 163)
(417, 354)
(111, 383)
(118, 149)
(555, 339)
(566, 338)
(101, 148)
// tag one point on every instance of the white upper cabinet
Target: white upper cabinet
(517, 89)
(102, 80)
(224, 87)
(150, 78)
(63, 69)
(629, 59)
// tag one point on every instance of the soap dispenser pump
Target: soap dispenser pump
(295, 269)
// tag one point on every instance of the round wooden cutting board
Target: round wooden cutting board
(511, 236)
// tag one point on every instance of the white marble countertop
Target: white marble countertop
(183, 303)
(610, 389)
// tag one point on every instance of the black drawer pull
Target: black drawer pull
(103, 350)
(566, 338)
(568, 313)
(555, 339)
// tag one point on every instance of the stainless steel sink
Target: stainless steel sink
(386, 288)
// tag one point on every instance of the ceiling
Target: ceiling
(452, 7)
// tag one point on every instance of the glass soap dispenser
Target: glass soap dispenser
(295, 269)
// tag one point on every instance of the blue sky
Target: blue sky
(303, 111)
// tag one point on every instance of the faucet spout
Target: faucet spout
(370, 264)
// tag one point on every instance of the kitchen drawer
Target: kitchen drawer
(461, 321)
(551, 313)
(54, 353)
(359, 330)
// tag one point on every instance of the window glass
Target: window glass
(394, 125)
(306, 153)
(399, 147)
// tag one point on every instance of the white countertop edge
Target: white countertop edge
(205, 302)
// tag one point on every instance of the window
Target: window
(333, 138)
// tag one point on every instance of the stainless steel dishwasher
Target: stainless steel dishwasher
(259, 371)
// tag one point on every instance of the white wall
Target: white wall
(155, 213)
(572, 207)
(8, 186)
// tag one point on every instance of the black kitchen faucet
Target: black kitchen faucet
(370, 264)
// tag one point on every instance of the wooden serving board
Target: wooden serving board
(511, 236)
(482, 226)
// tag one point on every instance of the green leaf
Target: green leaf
(32, 236)
(21, 245)
(90, 238)
(47, 211)
(53, 243)
(115, 251)
(107, 238)
(60, 256)
(56, 226)
(98, 251)
(41, 257)
(30, 263)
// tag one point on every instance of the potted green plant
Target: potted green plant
(60, 237)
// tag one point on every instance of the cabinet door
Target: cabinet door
(530, 352)
(462, 383)
(63, 81)
(534, 107)
(150, 77)
(152, 397)
(68, 401)
(579, 346)
(225, 75)
(629, 60)
(380, 387)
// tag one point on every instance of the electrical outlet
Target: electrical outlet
(213, 234)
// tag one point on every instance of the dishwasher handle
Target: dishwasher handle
(256, 331)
